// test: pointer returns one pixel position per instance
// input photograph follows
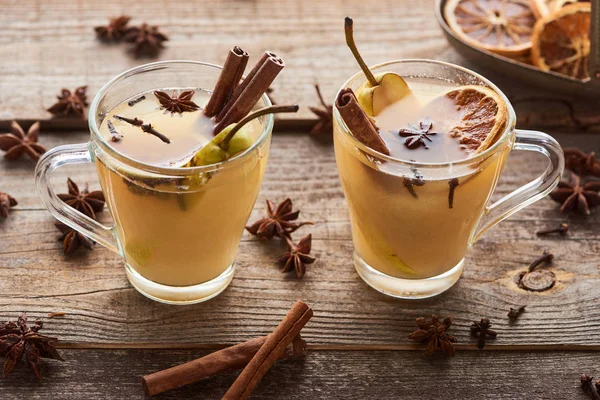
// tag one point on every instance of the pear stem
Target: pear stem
(253, 115)
(349, 30)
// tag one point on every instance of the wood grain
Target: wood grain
(92, 288)
(50, 44)
(105, 374)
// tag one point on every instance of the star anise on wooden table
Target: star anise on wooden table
(323, 129)
(70, 103)
(433, 333)
(18, 142)
(6, 202)
(483, 331)
(297, 256)
(177, 104)
(279, 221)
(84, 201)
(581, 163)
(147, 40)
(575, 196)
(417, 137)
(72, 240)
(18, 340)
(115, 30)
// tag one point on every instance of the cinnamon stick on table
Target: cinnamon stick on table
(359, 123)
(221, 361)
(249, 91)
(270, 351)
(228, 81)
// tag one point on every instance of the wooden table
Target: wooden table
(358, 344)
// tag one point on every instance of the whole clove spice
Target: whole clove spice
(483, 331)
(538, 280)
(514, 313)
(562, 230)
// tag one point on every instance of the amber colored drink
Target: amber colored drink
(417, 222)
(180, 231)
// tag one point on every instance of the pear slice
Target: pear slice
(232, 139)
(379, 91)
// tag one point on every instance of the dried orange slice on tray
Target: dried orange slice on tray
(542, 8)
(500, 26)
(561, 41)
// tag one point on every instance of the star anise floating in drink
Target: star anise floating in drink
(433, 333)
(72, 240)
(417, 137)
(70, 103)
(483, 331)
(17, 142)
(177, 104)
(297, 256)
(84, 201)
(147, 40)
(278, 221)
(6, 202)
(115, 30)
(18, 340)
(576, 196)
(323, 129)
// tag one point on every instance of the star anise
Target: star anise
(72, 239)
(84, 201)
(278, 221)
(70, 103)
(297, 256)
(575, 196)
(115, 30)
(323, 129)
(6, 202)
(416, 137)
(176, 104)
(17, 339)
(18, 142)
(581, 163)
(146, 39)
(482, 329)
(433, 333)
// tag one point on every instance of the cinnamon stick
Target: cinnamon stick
(270, 351)
(250, 90)
(221, 361)
(228, 81)
(359, 123)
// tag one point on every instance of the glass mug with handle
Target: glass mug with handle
(410, 240)
(178, 229)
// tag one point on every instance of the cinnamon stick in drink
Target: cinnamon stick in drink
(359, 123)
(228, 81)
(250, 90)
(270, 351)
(221, 361)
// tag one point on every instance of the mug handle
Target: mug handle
(538, 142)
(58, 157)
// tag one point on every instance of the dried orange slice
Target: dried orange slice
(541, 8)
(561, 41)
(483, 117)
(500, 26)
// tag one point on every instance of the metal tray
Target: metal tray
(551, 81)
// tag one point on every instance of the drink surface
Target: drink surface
(425, 102)
(187, 131)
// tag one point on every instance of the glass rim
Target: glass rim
(98, 140)
(510, 125)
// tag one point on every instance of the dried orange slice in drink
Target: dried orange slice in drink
(500, 26)
(483, 117)
(561, 41)
(541, 8)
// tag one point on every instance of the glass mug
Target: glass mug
(413, 245)
(177, 228)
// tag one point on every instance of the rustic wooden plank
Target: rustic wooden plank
(51, 44)
(92, 288)
(116, 374)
